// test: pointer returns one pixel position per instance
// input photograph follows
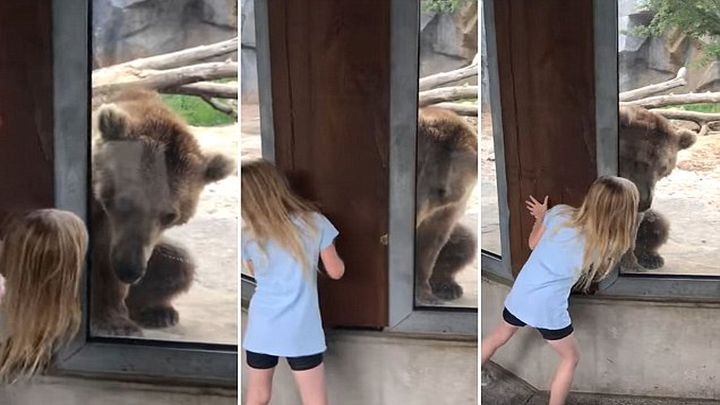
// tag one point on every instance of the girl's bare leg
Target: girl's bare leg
(311, 384)
(502, 333)
(567, 349)
(259, 386)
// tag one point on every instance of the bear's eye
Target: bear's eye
(168, 218)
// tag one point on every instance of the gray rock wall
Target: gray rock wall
(248, 71)
(644, 60)
(123, 30)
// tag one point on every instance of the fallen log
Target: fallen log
(643, 92)
(439, 79)
(675, 99)
(119, 79)
(206, 89)
(443, 94)
(179, 58)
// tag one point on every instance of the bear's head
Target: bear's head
(447, 153)
(649, 144)
(148, 173)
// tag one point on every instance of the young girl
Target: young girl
(42, 259)
(569, 245)
(282, 238)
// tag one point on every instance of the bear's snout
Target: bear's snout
(129, 265)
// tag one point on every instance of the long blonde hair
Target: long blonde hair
(269, 208)
(607, 220)
(42, 259)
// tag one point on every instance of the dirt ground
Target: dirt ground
(467, 278)
(208, 312)
(689, 198)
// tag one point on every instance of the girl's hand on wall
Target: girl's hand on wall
(537, 209)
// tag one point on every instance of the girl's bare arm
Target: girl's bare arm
(334, 266)
(536, 234)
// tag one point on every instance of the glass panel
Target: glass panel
(674, 166)
(447, 172)
(164, 216)
(491, 241)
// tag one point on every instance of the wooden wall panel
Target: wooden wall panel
(548, 105)
(26, 106)
(330, 86)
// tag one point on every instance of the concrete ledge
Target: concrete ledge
(73, 391)
(635, 348)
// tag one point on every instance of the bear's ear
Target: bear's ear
(112, 123)
(686, 138)
(217, 167)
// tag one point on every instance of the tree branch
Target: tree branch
(439, 79)
(646, 91)
(117, 79)
(206, 89)
(179, 58)
(675, 99)
(429, 97)
(683, 115)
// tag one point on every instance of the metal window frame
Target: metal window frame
(404, 316)
(638, 285)
(117, 358)
(497, 265)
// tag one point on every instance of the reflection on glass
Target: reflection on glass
(491, 241)
(164, 178)
(447, 153)
(677, 171)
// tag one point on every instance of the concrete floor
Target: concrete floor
(500, 387)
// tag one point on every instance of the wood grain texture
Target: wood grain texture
(330, 85)
(26, 106)
(546, 66)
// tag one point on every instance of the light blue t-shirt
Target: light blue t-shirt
(284, 316)
(539, 296)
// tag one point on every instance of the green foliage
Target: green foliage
(698, 19)
(196, 111)
(443, 6)
(704, 108)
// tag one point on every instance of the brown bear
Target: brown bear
(447, 153)
(648, 145)
(147, 175)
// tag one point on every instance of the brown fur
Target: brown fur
(446, 176)
(649, 144)
(148, 173)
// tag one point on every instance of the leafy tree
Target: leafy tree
(698, 19)
(443, 6)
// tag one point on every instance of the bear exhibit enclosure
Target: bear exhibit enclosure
(164, 180)
(669, 136)
(446, 262)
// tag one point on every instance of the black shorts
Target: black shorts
(547, 334)
(265, 361)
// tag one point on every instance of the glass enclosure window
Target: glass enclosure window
(164, 177)
(446, 264)
(491, 241)
(677, 172)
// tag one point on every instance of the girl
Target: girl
(42, 259)
(281, 241)
(569, 245)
